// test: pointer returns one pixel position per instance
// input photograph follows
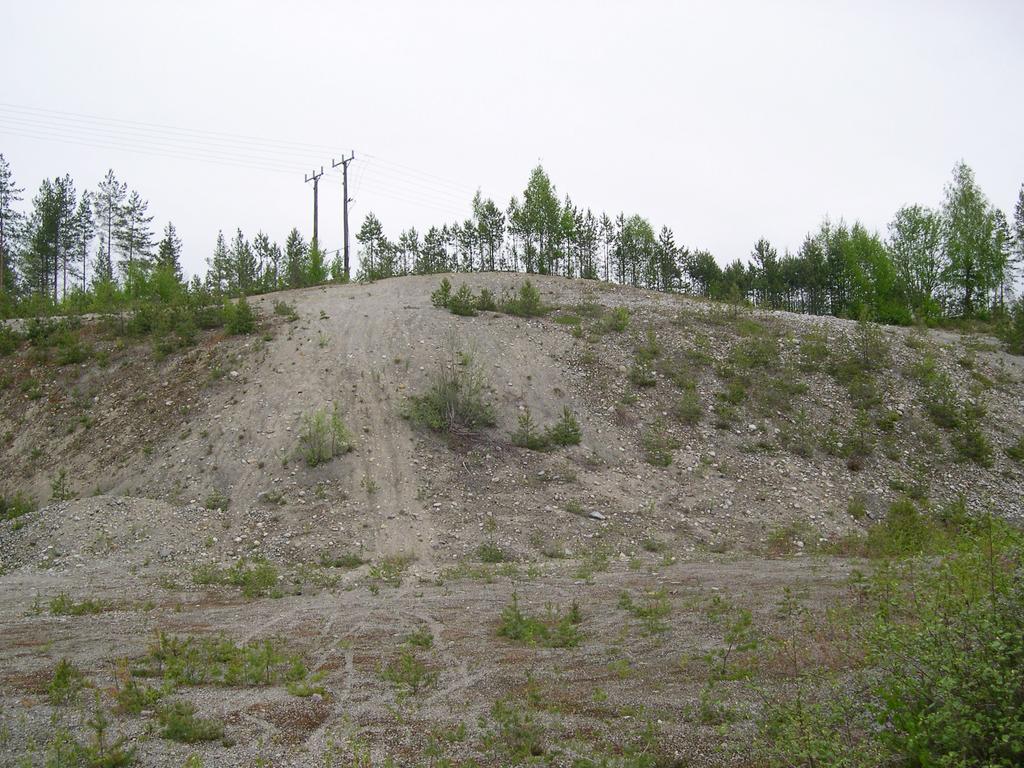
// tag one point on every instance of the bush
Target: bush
(486, 302)
(323, 436)
(658, 445)
(689, 409)
(443, 295)
(15, 506)
(555, 631)
(463, 302)
(565, 431)
(286, 310)
(239, 317)
(66, 683)
(528, 435)
(456, 400)
(1015, 452)
(490, 552)
(617, 320)
(9, 340)
(951, 691)
(180, 723)
(525, 303)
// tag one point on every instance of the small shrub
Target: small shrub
(565, 431)
(525, 303)
(239, 317)
(443, 295)
(486, 302)
(1015, 452)
(15, 506)
(420, 638)
(323, 436)
(689, 408)
(348, 560)
(256, 578)
(66, 683)
(617, 320)
(180, 723)
(217, 500)
(528, 435)
(658, 445)
(62, 605)
(642, 374)
(456, 400)
(9, 340)
(462, 302)
(556, 631)
(408, 674)
(60, 488)
(490, 552)
(286, 310)
(651, 610)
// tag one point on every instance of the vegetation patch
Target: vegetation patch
(555, 630)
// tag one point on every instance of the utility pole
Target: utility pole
(315, 178)
(344, 199)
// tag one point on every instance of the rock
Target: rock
(595, 515)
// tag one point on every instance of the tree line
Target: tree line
(958, 260)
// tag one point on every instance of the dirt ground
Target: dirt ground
(729, 526)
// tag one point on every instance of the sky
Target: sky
(726, 121)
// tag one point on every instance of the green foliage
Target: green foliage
(462, 302)
(525, 302)
(62, 605)
(66, 683)
(239, 317)
(528, 434)
(286, 310)
(180, 723)
(408, 674)
(189, 661)
(256, 578)
(9, 340)
(553, 631)
(490, 552)
(689, 407)
(1015, 452)
(658, 444)
(456, 400)
(565, 431)
(15, 506)
(60, 489)
(442, 296)
(951, 691)
(215, 500)
(617, 320)
(486, 302)
(346, 560)
(323, 435)
(651, 609)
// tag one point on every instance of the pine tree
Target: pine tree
(295, 259)
(268, 261)
(168, 252)
(407, 251)
(316, 265)
(243, 265)
(84, 230)
(108, 208)
(218, 272)
(376, 258)
(134, 240)
(11, 222)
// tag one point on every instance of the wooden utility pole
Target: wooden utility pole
(344, 201)
(315, 178)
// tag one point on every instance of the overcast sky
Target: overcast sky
(725, 121)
